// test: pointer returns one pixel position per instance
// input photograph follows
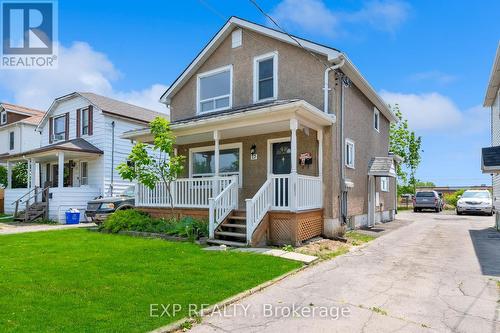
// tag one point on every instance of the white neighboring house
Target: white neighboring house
(490, 160)
(80, 150)
(17, 128)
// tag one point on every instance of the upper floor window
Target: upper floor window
(376, 119)
(215, 90)
(60, 128)
(11, 140)
(3, 117)
(266, 77)
(85, 121)
(350, 152)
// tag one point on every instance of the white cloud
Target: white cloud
(434, 76)
(80, 69)
(435, 112)
(315, 17)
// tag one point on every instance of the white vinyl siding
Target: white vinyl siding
(214, 90)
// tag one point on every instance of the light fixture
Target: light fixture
(253, 149)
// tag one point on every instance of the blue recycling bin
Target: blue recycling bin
(72, 218)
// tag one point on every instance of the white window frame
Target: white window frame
(12, 144)
(54, 128)
(210, 73)
(384, 184)
(237, 145)
(81, 174)
(256, 60)
(376, 119)
(3, 117)
(349, 142)
(82, 111)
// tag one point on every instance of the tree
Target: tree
(405, 143)
(425, 184)
(20, 175)
(3, 176)
(150, 164)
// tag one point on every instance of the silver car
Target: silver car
(475, 201)
(427, 200)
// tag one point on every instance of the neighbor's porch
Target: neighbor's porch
(251, 167)
(60, 177)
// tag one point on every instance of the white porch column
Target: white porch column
(9, 175)
(60, 173)
(294, 125)
(320, 162)
(33, 173)
(28, 176)
(216, 162)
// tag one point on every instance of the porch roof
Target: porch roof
(382, 167)
(78, 145)
(254, 119)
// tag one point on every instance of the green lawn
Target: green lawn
(84, 281)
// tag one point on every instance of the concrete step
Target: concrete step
(227, 243)
(231, 234)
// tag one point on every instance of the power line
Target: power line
(286, 33)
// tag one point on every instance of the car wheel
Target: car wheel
(437, 209)
(415, 210)
(459, 213)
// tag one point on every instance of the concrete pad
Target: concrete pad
(306, 259)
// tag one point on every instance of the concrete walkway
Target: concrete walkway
(437, 274)
(15, 228)
(303, 258)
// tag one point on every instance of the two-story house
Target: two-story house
(17, 128)
(284, 138)
(80, 150)
(490, 157)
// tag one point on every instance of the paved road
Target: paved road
(437, 274)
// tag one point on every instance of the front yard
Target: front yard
(83, 281)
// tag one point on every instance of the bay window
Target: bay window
(215, 90)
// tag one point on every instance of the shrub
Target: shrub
(134, 220)
(452, 198)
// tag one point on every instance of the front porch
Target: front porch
(257, 178)
(60, 177)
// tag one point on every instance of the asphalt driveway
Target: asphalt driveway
(438, 273)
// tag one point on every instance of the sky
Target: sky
(431, 57)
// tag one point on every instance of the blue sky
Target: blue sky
(433, 57)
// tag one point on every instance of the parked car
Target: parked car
(475, 201)
(427, 200)
(99, 209)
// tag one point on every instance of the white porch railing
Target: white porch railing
(258, 206)
(186, 192)
(309, 192)
(281, 192)
(222, 205)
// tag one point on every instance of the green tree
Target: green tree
(405, 143)
(425, 184)
(20, 175)
(3, 176)
(150, 164)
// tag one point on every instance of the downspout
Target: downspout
(111, 186)
(326, 87)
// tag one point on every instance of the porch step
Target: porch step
(231, 234)
(233, 225)
(227, 243)
(241, 218)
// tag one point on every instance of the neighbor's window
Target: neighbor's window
(376, 119)
(384, 184)
(85, 121)
(214, 90)
(349, 153)
(59, 128)
(84, 173)
(3, 117)
(265, 81)
(11, 140)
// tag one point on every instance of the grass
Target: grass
(379, 310)
(83, 281)
(357, 238)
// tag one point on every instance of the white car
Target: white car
(475, 201)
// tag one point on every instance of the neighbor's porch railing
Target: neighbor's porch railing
(186, 192)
